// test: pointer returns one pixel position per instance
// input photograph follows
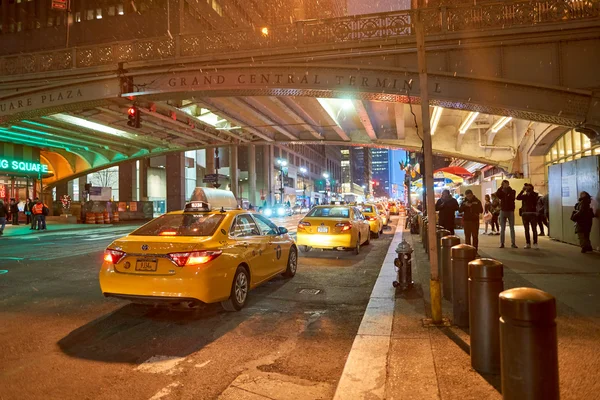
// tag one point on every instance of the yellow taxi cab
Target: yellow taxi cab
(333, 227)
(203, 254)
(375, 221)
(393, 207)
(384, 213)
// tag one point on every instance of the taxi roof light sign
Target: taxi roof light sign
(197, 206)
(216, 198)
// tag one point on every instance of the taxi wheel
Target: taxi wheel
(239, 291)
(377, 234)
(368, 242)
(292, 264)
(305, 249)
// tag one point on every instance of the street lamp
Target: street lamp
(303, 172)
(281, 163)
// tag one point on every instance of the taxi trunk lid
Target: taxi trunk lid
(150, 254)
(332, 225)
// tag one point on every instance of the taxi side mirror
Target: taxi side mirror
(282, 230)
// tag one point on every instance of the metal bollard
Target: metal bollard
(439, 234)
(462, 254)
(528, 345)
(485, 286)
(403, 264)
(446, 261)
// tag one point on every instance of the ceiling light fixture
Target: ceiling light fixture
(500, 124)
(435, 118)
(464, 127)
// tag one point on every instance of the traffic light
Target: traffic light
(133, 116)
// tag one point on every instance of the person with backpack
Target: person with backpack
(3, 215)
(40, 211)
(583, 216)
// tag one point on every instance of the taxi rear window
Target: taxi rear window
(368, 209)
(330, 212)
(181, 225)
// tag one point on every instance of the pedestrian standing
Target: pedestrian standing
(583, 216)
(471, 208)
(14, 211)
(447, 206)
(487, 213)
(542, 214)
(38, 215)
(495, 215)
(507, 195)
(528, 212)
(28, 206)
(3, 215)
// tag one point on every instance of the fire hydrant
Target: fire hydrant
(403, 265)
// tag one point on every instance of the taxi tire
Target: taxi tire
(231, 304)
(305, 249)
(368, 242)
(289, 271)
(377, 234)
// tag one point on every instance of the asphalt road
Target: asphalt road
(60, 339)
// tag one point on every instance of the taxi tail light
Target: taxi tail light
(345, 226)
(302, 225)
(113, 256)
(194, 257)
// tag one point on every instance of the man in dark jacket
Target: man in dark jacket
(542, 214)
(506, 195)
(529, 199)
(471, 208)
(3, 215)
(447, 206)
(583, 216)
(14, 211)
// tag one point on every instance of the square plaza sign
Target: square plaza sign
(22, 166)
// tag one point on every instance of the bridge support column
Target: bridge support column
(175, 181)
(209, 155)
(127, 175)
(252, 174)
(61, 190)
(143, 179)
(233, 170)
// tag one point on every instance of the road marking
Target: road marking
(159, 364)
(12, 258)
(165, 391)
(204, 364)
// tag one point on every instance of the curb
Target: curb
(365, 371)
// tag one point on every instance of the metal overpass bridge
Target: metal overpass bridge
(499, 74)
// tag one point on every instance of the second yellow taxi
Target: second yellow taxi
(375, 221)
(203, 254)
(333, 227)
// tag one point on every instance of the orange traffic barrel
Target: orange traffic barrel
(106, 217)
(99, 218)
(90, 218)
(116, 216)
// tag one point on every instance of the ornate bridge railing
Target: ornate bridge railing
(484, 16)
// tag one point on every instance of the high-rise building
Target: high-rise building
(381, 172)
(356, 170)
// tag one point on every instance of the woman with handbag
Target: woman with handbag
(487, 214)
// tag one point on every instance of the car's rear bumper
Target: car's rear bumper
(328, 241)
(152, 300)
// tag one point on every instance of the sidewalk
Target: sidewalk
(23, 229)
(434, 363)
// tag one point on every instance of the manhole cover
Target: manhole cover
(310, 291)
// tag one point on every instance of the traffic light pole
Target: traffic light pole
(434, 282)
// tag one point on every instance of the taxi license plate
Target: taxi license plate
(146, 265)
(322, 229)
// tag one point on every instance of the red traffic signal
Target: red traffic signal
(133, 116)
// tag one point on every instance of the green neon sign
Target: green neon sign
(22, 166)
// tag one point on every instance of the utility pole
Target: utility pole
(434, 282)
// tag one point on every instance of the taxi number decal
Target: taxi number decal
(278, 251)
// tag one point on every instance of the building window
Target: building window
(98, 13)
(120, 9)
(89, 15)
(77, 16)
(50, 21)
(111, 11)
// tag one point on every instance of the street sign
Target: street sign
(59, 4)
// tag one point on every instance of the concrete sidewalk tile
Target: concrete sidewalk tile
(408, 315)
(411, 371)
(378, 317)
(364, 375)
